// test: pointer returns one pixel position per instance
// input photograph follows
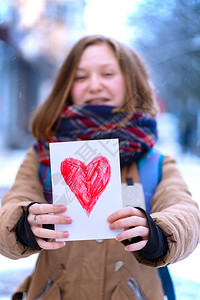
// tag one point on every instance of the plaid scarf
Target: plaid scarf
(137, 134)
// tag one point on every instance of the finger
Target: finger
(125, 212)
(51, 219)
(129, 222)
(43, 233)
(137, 246)
(37, 209)
(133, 232)
(50, 245)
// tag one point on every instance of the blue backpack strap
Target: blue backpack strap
(150, 173)
(45, 178)
(167, 283)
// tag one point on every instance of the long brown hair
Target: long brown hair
(139, 91)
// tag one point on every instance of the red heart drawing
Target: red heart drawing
(86, 182)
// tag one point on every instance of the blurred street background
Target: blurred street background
(35, 37)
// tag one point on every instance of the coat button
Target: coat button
(99, 241)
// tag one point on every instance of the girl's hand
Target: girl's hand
(40, 214)
(134, 223)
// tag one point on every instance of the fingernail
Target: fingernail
(118, 237)
(68, 220)
(112, 226)
(66, 234)
(61, 244)
(110, 218)
(63, 207)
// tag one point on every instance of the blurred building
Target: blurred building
(34, 39)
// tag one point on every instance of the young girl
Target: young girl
(102, 91)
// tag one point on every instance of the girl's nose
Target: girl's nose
(95, 83)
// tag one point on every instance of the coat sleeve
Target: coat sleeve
(26, 189)
(174, 211)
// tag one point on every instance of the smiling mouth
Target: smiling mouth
(97, 101)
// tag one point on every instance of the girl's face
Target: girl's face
(99, 79)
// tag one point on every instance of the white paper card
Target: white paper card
(86, 178)
(133, 195)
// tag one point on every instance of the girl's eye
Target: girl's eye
(108, 74)
(80, 77)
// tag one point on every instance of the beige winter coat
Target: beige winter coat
(101, 269)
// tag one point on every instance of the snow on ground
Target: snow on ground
(185, 273)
